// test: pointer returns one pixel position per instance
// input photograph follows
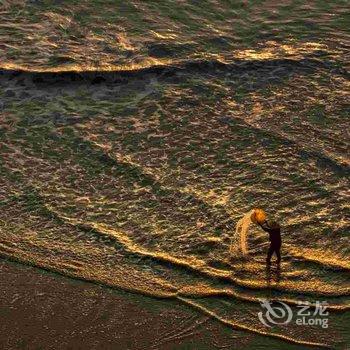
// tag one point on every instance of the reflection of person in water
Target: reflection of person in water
(274, 231)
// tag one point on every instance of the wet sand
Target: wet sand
(41, 310)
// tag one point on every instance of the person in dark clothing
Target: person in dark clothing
(274, 231)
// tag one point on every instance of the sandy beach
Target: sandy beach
(41, 310)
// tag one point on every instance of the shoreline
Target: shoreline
(43, 310)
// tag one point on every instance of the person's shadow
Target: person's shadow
(273, 273)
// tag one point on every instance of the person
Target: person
(274, 231)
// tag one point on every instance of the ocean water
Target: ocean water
(135, 134)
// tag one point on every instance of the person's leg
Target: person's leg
(278, 254)
(269, 254)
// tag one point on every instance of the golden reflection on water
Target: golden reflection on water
(271, 50)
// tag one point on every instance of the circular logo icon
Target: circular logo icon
(274, 314)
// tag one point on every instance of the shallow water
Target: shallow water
(137, 179)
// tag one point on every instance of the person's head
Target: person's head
(274, 224)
